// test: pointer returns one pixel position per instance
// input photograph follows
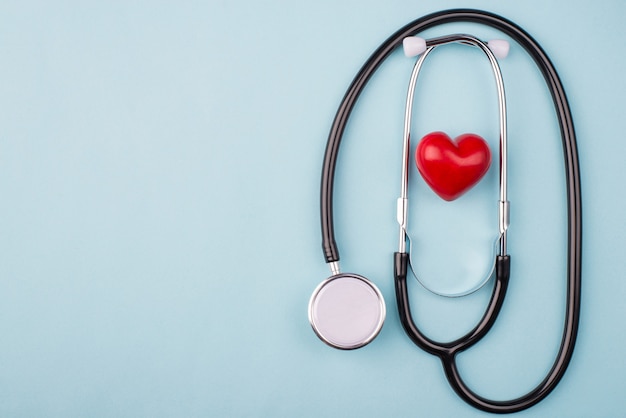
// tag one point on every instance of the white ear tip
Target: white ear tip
(499, 47)
(413, 46)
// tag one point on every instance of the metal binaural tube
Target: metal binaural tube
(403, 201)
(503, 212)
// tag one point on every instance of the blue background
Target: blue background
(159, 230)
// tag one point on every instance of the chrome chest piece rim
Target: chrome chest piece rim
(347, 311)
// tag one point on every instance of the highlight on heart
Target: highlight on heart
(452, 167)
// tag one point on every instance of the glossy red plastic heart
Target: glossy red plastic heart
(450, 167)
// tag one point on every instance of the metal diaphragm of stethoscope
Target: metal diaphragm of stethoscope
(347, 311)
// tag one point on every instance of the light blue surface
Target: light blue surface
(159, 232)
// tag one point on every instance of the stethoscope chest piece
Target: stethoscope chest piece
(346, 311)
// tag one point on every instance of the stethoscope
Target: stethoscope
(347, 310)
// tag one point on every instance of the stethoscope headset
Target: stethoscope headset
(347, 311)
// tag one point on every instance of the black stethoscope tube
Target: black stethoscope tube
(448, 351)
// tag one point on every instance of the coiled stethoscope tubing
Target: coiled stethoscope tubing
(448, 351)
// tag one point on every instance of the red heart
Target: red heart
(450, 167)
